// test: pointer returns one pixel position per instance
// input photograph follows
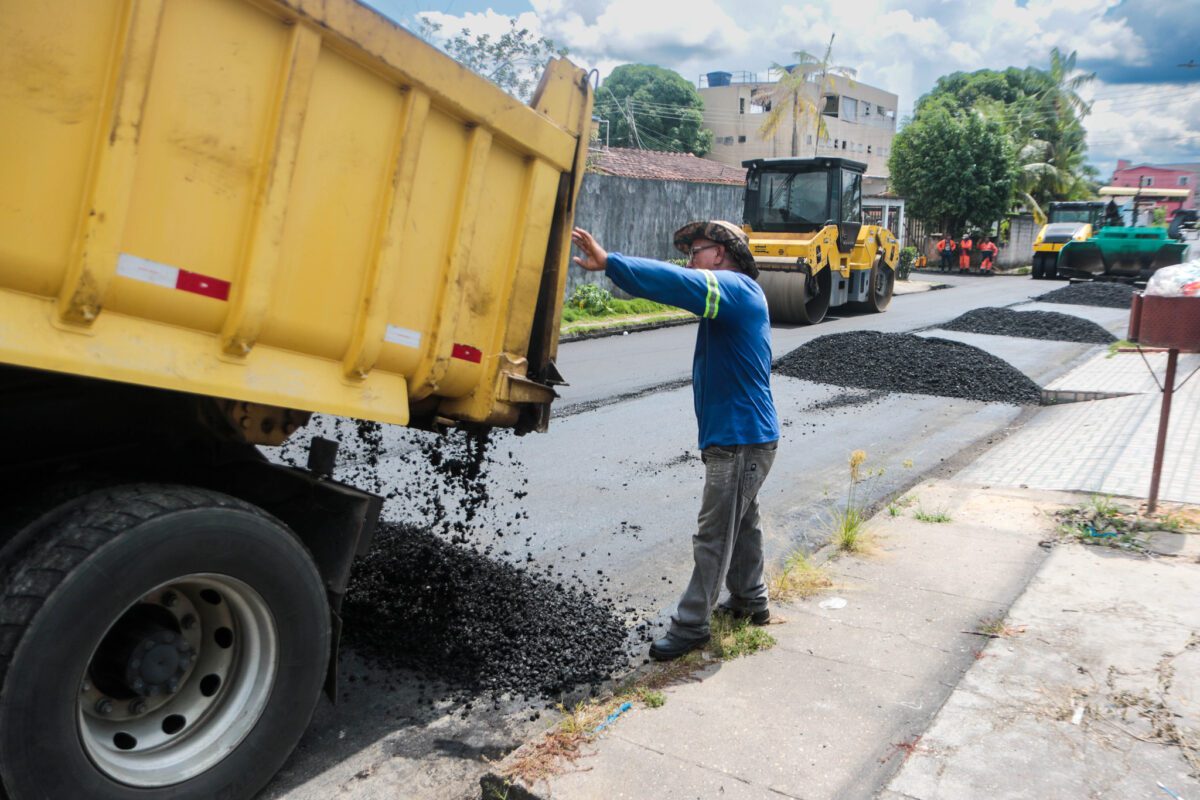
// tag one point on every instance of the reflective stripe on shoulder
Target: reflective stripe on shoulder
(713, 301)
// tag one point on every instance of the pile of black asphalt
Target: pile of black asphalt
(485, 627)
(1049, 325)
(441, 594)
(901, 362)
(1105, 295)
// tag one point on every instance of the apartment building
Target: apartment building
(860, 120)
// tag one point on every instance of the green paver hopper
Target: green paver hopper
(1129, 254)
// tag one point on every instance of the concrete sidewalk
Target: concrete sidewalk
(1091, 691)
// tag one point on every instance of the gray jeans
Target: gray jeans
(728, 546)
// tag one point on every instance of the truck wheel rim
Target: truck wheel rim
(178, 681)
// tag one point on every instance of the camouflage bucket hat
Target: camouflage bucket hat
(724, 233)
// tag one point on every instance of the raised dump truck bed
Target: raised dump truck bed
(216, 217)
(296, 204)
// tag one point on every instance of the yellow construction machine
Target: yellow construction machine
(804, 220)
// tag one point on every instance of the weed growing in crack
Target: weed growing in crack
(897, 506)
(848, 523)
(997, 628)
(736, 638)
(931, 516)
(799, 578)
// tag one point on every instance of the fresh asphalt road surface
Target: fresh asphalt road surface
(618, 365)
(612, 497)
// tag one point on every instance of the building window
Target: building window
(808, 139)
(843, 144)
(741, 140)
(866, 109)
(849, 109)
(1183, 180)
(868, 149)
(741, 105)
(1147, 180)
(831, 105)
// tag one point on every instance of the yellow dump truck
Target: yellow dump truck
(216, 218)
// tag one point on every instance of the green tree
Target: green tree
(652, 108)
(514, 60)
(1042, 114)
(794, 97)
(957, 171)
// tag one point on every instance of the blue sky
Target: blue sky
(1147, 108)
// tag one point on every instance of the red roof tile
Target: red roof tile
(627, 163)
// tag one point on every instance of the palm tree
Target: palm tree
(794, 96)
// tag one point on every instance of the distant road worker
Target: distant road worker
(946, 247)
(964, 253)
(988, 252)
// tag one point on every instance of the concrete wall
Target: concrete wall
(1019, 251)
(637, 216)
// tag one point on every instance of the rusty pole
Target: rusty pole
(1164, 418)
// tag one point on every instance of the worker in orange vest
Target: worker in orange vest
(945, 247)
(964, 253)
(988, 251)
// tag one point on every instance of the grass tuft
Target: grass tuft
(736, 638)
(931, 516)
(850, 529)
(799, 578)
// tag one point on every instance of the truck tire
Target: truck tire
(1037, 271)
(157, 642)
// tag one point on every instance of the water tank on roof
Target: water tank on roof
(719, 78)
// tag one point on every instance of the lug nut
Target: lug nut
(172, 685)
(137, 707)
(104, 706)
(188, 622)
(169, 599)
(138, 684)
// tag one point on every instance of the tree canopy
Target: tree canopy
(514, 60)
(653, 108)
(1041, 113)
(955, 170)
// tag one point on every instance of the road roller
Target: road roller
(804, 220)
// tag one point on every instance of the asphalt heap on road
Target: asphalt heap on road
(447, 599)
(1105, 295)
(901, 362)
(1049, 325)
(486, 627)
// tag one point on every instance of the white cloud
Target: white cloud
(901, 46)
(1143, 123)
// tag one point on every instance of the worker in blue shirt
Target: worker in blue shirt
(739, 431)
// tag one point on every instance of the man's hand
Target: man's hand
(595, 258)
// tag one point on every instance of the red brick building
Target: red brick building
(1160, 176)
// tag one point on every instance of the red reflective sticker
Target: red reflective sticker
(467, 353)
(202, 284)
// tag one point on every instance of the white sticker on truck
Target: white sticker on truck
(147, 271)
(406, 337)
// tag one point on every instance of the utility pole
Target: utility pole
(633, 124)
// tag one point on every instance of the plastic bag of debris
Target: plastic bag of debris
(1181, 280)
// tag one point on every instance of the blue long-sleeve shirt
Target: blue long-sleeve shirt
(731, 369)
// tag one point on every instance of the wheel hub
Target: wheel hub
(158, 664)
